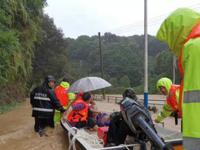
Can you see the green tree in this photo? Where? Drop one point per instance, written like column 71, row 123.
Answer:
column 19, row 30
column 51, row 53
column 114, row 81
column 124, row 81
column 122, row 56
column 164, row 64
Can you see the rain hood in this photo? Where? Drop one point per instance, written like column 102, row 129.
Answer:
column 175, row 29
column 165, row 82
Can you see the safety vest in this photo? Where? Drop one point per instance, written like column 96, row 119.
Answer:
column 172, row 99
column 62, row 95
column 79, row 115
column 44, row 102
column 184, row 24
column 190, row 89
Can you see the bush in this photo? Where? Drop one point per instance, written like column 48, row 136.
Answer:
column 7, row 107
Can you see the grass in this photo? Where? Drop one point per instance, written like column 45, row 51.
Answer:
column 8, row 107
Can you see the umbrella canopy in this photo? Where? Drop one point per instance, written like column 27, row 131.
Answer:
column 89, row 84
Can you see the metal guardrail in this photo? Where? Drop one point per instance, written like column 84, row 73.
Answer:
column 108, row 98
column 116, row 99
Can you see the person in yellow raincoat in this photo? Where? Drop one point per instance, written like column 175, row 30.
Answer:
column 181, row 31
column 165, row 86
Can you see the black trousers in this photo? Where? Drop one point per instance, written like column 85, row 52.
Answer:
column 117, row 132
column 41, row 123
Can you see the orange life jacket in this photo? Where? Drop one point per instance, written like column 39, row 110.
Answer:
column 61, row 94
column 171, row 99
column 79, row 115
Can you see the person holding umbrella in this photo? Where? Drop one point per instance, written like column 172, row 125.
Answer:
column 80, row 114
column 84, row 101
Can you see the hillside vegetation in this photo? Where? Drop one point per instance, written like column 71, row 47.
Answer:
column 31, row 47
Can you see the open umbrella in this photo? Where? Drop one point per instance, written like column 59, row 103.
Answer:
column 88, row 84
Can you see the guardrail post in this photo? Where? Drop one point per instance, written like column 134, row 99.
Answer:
column 163, row 124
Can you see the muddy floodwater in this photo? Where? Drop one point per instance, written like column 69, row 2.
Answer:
column 16, row 129
column 16, row 132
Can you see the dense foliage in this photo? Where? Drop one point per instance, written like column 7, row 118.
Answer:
column 50, row 56
column 31, row 47
column 19, row 30
column 123, row 60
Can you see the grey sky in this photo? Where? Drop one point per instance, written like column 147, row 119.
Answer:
column 122, row 17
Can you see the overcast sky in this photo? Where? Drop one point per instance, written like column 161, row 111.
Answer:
column 122, row 17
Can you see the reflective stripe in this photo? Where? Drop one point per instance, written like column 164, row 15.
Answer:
column 42, row 98
column 42, row 109
column 192, row 97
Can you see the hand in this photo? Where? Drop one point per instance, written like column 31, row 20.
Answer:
column 62, row 110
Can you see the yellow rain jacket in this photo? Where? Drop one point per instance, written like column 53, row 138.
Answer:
column 168, row 108
column 181, row 31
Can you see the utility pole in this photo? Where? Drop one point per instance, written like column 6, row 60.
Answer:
column 145, row 56
column 174, row 69
column 101, row 62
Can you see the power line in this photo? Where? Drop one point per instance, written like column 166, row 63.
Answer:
column 152, row 23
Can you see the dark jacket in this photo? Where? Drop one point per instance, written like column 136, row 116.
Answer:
column 44, row 101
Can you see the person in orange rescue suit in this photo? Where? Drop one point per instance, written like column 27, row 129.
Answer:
column 165, row 86
column 64, row 97
column 80, row 114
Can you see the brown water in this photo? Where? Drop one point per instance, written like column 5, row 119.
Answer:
column 16, row 132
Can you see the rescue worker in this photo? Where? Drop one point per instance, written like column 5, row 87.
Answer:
column 64, row 98
column 43, row 101
column 80, row 115
column 165, row 86
column 181, row 31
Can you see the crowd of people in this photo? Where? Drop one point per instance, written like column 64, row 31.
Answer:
column 50, row 102
column 181, row 31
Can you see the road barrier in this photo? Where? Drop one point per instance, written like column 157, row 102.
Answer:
column 116, row 99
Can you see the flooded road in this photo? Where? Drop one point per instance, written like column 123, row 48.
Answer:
column 16, row 132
